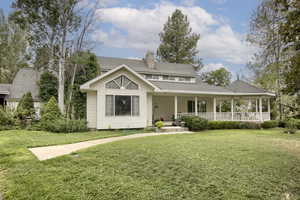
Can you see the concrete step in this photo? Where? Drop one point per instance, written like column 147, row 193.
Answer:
column 174, row 129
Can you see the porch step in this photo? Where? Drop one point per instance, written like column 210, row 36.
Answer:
column 174, row 129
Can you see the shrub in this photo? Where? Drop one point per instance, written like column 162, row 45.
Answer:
column 51, row 111
column 291, row 126
column 187, row 120
column 250, row 125
column 6, row 118
column 195, row 123
column 25, row 108
column 232, row 125
column 65, row 126
column 159, row 124
column 270, row 124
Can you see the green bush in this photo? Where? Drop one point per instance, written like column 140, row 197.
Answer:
column 25, row 108
column 232, row 125
column 159, row 124
column 51, row 111
column 6, row 118
column 270, row 124
column 195, row 123
column 65, row 126
column 291, row 126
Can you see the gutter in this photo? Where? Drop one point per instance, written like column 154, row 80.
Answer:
column 214, row 93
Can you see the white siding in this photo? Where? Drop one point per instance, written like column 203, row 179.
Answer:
column 118, row 122
column 91, row 109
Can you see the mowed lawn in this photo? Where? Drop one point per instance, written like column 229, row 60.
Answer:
column 223, row 164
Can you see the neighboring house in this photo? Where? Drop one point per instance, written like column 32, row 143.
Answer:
column 26, row 80
column 135, row 93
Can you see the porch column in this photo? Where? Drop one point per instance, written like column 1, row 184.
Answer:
column 232, row 108
column 256, row 106
column 196, row 106
column 269, row 109
column 215, row 108
column 260, row 109
column 175, row 107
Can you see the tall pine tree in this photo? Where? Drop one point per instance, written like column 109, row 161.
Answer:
column 178, row 43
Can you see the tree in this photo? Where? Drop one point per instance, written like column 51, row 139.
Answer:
column 25, row 107
column 269, row 63
column 219, row 77
column 51, row 111
column 13, row 49
column 50, row 24
column 290, row 33
column 48, row 86
column 88, row 69
column 178, row 43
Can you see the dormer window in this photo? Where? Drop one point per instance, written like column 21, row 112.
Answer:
column 122, row 82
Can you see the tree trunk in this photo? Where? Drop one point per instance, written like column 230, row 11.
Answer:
column 61, row 84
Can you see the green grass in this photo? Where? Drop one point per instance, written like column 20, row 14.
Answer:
column 223, row 164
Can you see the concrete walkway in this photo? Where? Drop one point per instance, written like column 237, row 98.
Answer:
column 48, row 152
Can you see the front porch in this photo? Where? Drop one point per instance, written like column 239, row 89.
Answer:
column 217, row 108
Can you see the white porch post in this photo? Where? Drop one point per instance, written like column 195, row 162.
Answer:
column 215, row 108
column 175, row 107
column 232, row 109
column 196, row 106
column 256, row 106
column 269, row 109
column 260, row 109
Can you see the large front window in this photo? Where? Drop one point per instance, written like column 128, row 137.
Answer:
column 122, row 105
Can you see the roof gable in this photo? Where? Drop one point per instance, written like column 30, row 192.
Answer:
column 87, row 85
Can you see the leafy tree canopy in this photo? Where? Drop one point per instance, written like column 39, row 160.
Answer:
column 48, row 86
column 219, row 77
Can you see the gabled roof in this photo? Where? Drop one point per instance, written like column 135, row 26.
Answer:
column 242, row 86
column 87, row 85
column 25, row 81
column 108, row 63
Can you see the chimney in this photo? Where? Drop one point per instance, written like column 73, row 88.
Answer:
column 150, row 60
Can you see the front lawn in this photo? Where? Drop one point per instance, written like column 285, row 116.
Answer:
column 223, row 164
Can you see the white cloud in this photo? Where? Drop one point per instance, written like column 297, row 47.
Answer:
column 139, row 29
column 212, row 67
column 189, row 2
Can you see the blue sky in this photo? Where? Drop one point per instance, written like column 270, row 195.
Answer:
column 130, row 27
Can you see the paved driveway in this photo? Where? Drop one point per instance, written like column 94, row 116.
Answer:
column 48, row 152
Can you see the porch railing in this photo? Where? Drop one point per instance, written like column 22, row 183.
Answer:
column 228, row 116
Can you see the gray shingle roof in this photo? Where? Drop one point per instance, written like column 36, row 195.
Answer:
column 5, row 88
column 244, row 87
column 108, row 63
column 25, row 81
column 198, row 86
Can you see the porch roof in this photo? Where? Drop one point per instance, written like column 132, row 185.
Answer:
column 199, row 87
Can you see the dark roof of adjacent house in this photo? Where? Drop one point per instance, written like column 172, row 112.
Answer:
column 244, row 87
column 26, row 80
column 108, row 63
